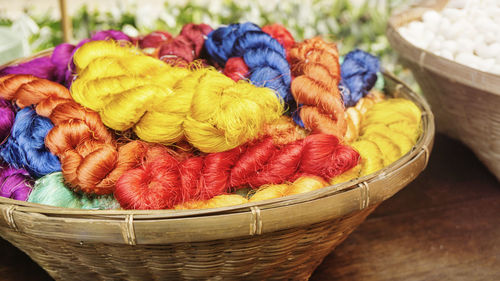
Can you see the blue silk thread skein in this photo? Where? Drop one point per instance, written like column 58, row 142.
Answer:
column 265, row 57
column 359, row 74
column 25, row 147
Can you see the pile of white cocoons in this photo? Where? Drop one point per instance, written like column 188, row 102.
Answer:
column 466, row 31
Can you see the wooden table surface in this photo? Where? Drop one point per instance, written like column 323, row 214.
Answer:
column 443, row 226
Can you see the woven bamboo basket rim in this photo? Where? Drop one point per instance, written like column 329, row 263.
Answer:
column 161, row 226
column 454, row 71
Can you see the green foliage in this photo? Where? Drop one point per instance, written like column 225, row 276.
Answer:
column 5, row 22
column 86, row 21
column 50, row 33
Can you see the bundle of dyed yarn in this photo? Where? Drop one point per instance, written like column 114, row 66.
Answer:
column 205, row 119
column 25, row 147
column 58, row 66
column 16, row 183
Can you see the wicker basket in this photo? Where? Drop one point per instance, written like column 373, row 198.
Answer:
column 283, row 238
column 465, row 101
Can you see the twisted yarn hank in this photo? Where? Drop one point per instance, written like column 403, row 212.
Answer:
column 315, row 66
column 7, row 116
column 187, row 46
column 359, row 74
column 40, row 67
column 355, row 114
column 154, row 39
column 224, row 200
column 281, row 34
column 51, row 190
column 301, row 185
column 400, row 115
column 90, row 159
column 237, row 69
column 58, row 67
column 284, row 130
column 15, row 183
column 63, row 54
column 165, row 104
column 25, row 147
column 265, row 192
column 262, row 54
column 162, row 181
column 389, row 130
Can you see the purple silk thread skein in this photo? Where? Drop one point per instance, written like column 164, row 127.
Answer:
column 7, row 116
column 14, row 183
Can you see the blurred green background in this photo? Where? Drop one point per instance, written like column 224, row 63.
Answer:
column 351, row 24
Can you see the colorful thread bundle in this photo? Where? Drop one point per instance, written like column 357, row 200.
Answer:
column 90, row 160
column 7, row 116
column 281, row 34
column 164, row 104
column 58, row 67
column 51, row 190
column 15, row 183
column 262, row 54
column 63, row 54
column 63, row 68
column 284, row 130
column 187, row 46
column 265, row 192
column 237, row 69
column 315, row 65
column 153, row 40
column 389, row 130
column 25, row 147
column 355, row 114
column 300, row 185
column 243, row 140
column 224, row 200
column 359, row 74
column 162, row 181
column 39, row 67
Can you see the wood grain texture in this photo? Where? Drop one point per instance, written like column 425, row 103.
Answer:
column 443, row 226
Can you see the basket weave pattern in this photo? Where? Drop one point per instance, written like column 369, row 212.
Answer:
column 282, row 238
column 465, row 113
column 287, row 254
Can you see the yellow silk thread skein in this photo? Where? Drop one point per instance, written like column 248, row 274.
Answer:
column 300, row 185
column 224, row 200
column 164, row 103
column 265, row 192
column 354, row 114
column 389, row 130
